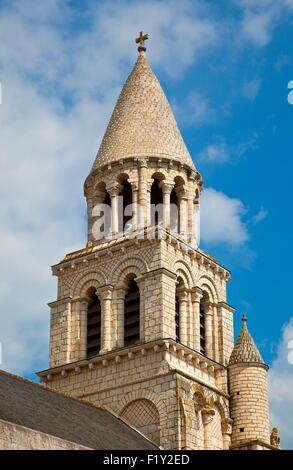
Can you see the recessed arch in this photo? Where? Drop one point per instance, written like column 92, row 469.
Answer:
column 144, row 416
column 87, row 280
column 179, row 181
column 159, row 175
column 207, row 284
column 182, row 268
column 122, row 177
column 148, row 395
column 122, row 270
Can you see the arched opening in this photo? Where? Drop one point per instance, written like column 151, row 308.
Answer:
column 202, row 327
column 157, row 200
column 177, row 318
column 174, row 211
column 126, row 194
column 102, row 214
column 178, row 309
column 93, row 325
column 132, row 314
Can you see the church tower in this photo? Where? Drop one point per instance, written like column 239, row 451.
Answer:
column 141, row 324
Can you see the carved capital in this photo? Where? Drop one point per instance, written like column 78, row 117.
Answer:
column 209, row 308
column 143, row 163
column 196, row 294
column 226, row 425
column 182, row 294
column 181, row 193
column 120, row 293
column 115, row 189
column 207, row 415
column 166, row 187
column 105, row 293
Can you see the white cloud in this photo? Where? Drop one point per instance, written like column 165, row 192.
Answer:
column 251, row 88
column 59, row 87
column 215, row 153
column 195, row 110
column 281, row 386
column 60, row 81
column 260, row 19
column 221, row 219
column 221, row 152
column 260, row 216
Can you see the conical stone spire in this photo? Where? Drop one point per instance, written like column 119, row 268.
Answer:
column 245, row 350
column 142, row 124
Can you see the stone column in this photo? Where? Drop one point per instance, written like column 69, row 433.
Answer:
column 143, row 193
column 182, row 198
column 148, row 207
column 215, row 333
column 207, row 417
column 196, row 223
column 77, row 333
column 166, row 190
column 208, row 318
column 134, row 206
column 183, row 300
column 196, row 296
column 190, row 217
column 119, row 300
column 105, row 296
column 114, row 193
column 227, row 431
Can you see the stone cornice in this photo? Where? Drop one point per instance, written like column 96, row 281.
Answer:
column 166, row 346
column 226, row 306
column 123, row 241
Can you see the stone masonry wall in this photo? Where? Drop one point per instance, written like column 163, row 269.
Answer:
column 15, row 437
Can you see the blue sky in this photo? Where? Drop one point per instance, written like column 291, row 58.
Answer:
column 225, row 67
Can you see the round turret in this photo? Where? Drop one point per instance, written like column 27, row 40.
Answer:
column 248, row 391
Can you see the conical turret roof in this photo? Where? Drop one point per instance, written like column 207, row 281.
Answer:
column 142, row 124
column 245, row 350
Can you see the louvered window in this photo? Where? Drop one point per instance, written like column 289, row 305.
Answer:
column 202, row 328
column 177, row 319
column 94, row 327
column 131, row 315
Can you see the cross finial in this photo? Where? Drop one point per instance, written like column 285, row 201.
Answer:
column 140, row 40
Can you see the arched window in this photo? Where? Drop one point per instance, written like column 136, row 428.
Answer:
column 156, row 202
column 177, row 319
column 174, row 212
column 126, row 194
column 176, row 200
column 93, row 326
column 131, row 315
column 102, row 216
column 180, row 311
column 202, row 321
column 202, row 327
